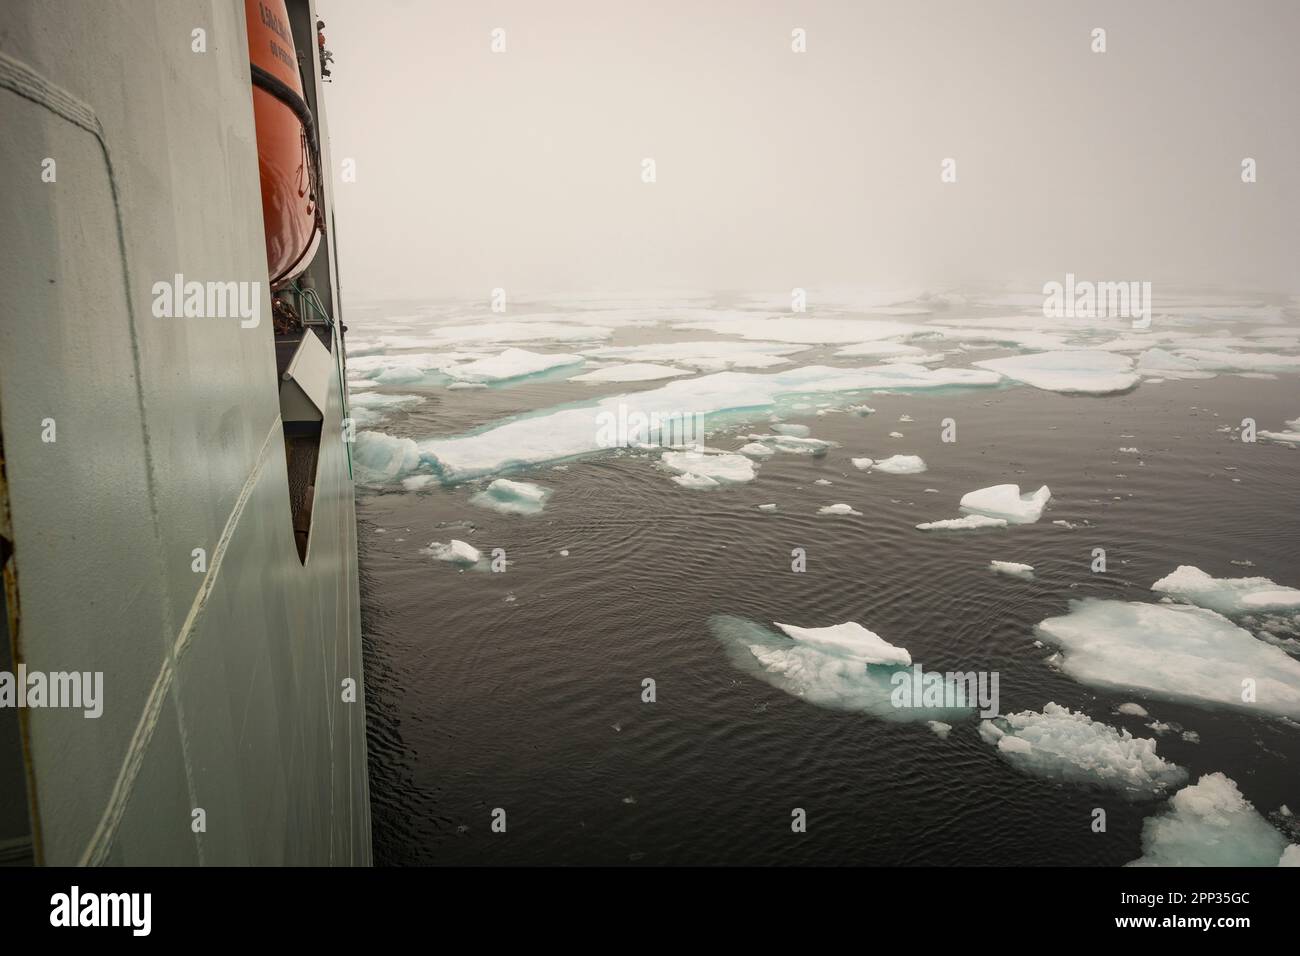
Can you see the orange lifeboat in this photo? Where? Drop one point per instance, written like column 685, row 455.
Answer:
column 286, row 151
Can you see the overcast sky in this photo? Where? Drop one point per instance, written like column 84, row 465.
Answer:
column 523, row 169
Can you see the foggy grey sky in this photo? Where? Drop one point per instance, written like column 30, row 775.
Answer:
column 777, row 169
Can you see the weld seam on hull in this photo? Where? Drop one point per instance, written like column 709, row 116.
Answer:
column 102, row 840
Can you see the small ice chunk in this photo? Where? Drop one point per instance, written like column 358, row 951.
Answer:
column 512, row 497
column 1012, row 568
column 768, row 507
column 839, row 509
column 699, row 482
column 1006, row 501
column 899, row 465
column 862, row 464
column 895, row 434
column 455, row 552
column 1061, row 744
column 823, row 481
column 1227, row 595
column 1210, row 824
column 794, row 444
column 968, row 523
column 756, row 450
column 941, row 730
column 723, row 469
column 1133, row 710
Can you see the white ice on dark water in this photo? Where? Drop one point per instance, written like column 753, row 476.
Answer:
column 718, row 469
column 1012, row 568
column 1210, row 824
column 793, row 444
column 1006, row 501
column 1079, row 371
column 453, row 552
column 1174, row 652
column 1227, row 595
column 941, row 730
column 898, row 465
column 838, row 509
column 830, row 667
column 850, row 640
column 862, row 464
column 1061, row 744
column 968, row 523
column 569, row 432
column 1132, row 710
column 512, row 497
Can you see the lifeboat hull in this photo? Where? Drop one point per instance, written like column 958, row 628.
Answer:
column 284, row 144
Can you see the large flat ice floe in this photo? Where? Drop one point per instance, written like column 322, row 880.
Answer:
column 1210, row 824
column 510, row 364
column 1174, row 652
column 716, row 356
column 1006, row 502
column 1077, row 371
column 845, row 667
column 1227, row 595
column 630, row 372
column 573, row 431
column 1012, row 568
column 1061, row 744
column 695, row 469
column 512, row 497
column 809, row 331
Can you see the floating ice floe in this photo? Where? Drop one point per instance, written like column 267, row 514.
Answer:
column 512, row 497
column 703, row 356
column 968, row 523
column 767, row 507
column 1006, row 502
column 846, row 667
column 505, row 332
column 369, row 407
column 796, row 431
column 1132, row 710
column 1210, row 824
column 862, row 464
column 453, row 552
column 702, row 470
column 756, row 450
column 1174, row 652
column 510, row 364
column 850, row 641
column 571, row 431
column 839, row 509
column 793, row 444
column 632, row 372
column 941, row 730
column 1061, row 744
column 379, row 457
column 898, row 465
column 1290, row 437
column 878, row 350
column 1081, row 371
column 406, row 368
column 1227, row 595
column 804, row 330
column 1013, row 569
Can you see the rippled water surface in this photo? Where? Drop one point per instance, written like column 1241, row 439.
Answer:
column 522, row 690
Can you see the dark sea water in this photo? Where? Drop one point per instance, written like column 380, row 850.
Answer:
column 522, row 690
